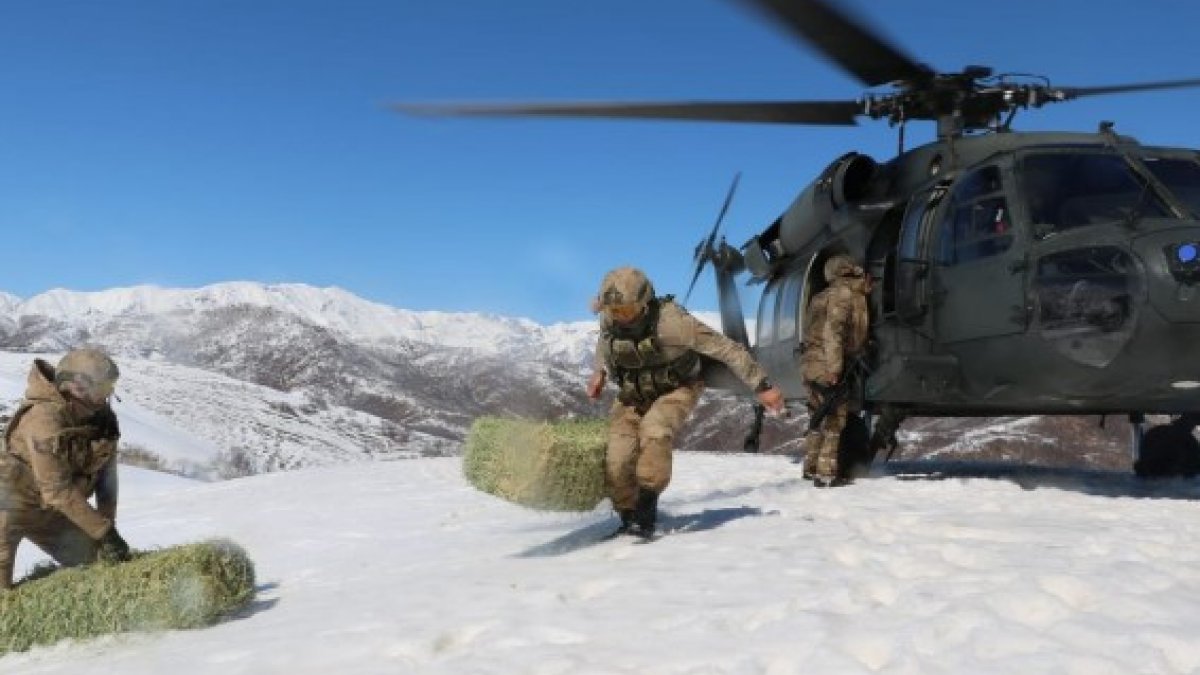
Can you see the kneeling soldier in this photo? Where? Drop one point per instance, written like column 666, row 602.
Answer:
column 60, row 449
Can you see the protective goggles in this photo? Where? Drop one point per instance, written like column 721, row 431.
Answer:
column 626, row 313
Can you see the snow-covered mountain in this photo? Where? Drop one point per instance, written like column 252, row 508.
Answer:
column 415, row 379
column 428, row 374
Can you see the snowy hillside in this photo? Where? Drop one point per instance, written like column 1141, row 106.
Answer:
column 204, row 424
column 427, row 373
column 402, row 568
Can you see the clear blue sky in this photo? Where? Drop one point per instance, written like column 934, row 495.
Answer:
column 183, row 143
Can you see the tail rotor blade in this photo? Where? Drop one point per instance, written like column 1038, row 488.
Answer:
column 712, row 236
column 695, row 276
column 704, row 250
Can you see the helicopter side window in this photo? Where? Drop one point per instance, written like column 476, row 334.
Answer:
column 1181, row 176
column 766, row 314
column 1065, row 190
column 977, row 224
column 789, row 307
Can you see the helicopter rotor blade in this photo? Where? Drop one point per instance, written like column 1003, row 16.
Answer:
column 1068, row 93
column 705, row 248
column 773, row 112
column 846, row 41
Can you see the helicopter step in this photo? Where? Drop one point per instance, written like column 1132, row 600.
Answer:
column 1165, row 450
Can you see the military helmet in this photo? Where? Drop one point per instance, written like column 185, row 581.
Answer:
column 625, row 287
column 91, row 367
column 841, row 266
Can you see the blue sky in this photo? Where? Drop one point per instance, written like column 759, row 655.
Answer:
column 183, row 143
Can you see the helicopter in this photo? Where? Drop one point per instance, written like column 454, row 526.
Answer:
column 1017, row 273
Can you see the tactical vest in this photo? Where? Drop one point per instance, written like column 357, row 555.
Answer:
column 85, row 448
column 640, row 366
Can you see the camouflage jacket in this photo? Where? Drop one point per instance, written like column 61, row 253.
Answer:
column 677, row 334
column 54, row 459
column 835, row 329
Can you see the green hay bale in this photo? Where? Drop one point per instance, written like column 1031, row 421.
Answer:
column 180, row 587
column 556, row 466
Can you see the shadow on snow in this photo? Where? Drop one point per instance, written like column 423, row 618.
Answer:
column 603, row 530
column 1028, row 477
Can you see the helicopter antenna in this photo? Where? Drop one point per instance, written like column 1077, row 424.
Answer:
column 704, row 250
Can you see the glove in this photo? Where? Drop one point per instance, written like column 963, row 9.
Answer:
column 105, row 422
column 771, row 399
column 112, row 548
column 596, row 384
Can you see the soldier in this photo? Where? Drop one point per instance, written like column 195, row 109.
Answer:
column 60, row 449
column 835, row 333
column 651, row 348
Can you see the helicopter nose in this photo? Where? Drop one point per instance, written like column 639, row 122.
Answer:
column 1172, row 259
column 1183, row 261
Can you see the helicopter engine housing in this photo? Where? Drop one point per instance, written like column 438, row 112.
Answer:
column 813, row 213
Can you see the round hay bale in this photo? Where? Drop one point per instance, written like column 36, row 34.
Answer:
column 179, row 587
column 555, row 466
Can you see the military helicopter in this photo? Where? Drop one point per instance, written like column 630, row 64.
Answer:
column 1016, row 273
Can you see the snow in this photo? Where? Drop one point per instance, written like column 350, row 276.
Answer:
column 401, row 567
column 332, row 308
column 189, row 418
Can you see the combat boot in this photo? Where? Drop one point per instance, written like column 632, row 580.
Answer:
column 810, row 465
column 627, row 523
column 830, row 481
column 645, row 514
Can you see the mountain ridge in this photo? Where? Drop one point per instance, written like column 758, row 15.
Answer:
column 426, row 375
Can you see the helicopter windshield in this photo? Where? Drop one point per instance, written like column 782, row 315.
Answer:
column 1065, row 190
column 1181, row 176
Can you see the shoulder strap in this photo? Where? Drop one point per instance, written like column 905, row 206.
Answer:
column 25, row 407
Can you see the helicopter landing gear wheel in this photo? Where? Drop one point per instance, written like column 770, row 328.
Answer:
column 854, row 454
column 1169, row 450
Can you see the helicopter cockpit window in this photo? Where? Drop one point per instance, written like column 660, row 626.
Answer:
column 1181, row 176
column 1064, row 190
column 978, row 223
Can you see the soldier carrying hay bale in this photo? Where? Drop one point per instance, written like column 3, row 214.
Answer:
column 60, row 449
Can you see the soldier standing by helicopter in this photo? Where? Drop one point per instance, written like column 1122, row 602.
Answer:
column 835, row 334
column 651, row 348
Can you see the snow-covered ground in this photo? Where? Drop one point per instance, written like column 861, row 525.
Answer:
column 401, row 567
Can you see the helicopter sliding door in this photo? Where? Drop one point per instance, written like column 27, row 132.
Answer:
column 912, row 267
column 977, row 287
column 779, row 319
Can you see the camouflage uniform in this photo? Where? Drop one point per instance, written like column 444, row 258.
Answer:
column 655, row 362
column 55, row 457
column 835, row 331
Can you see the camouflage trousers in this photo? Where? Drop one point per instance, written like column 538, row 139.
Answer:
column 50, row 530
column 640, row 443
column 821, row 444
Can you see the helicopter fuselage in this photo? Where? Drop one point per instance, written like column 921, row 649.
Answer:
column 1015, row 273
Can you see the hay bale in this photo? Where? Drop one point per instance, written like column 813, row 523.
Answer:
column 557, row 466
column 180, row 587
